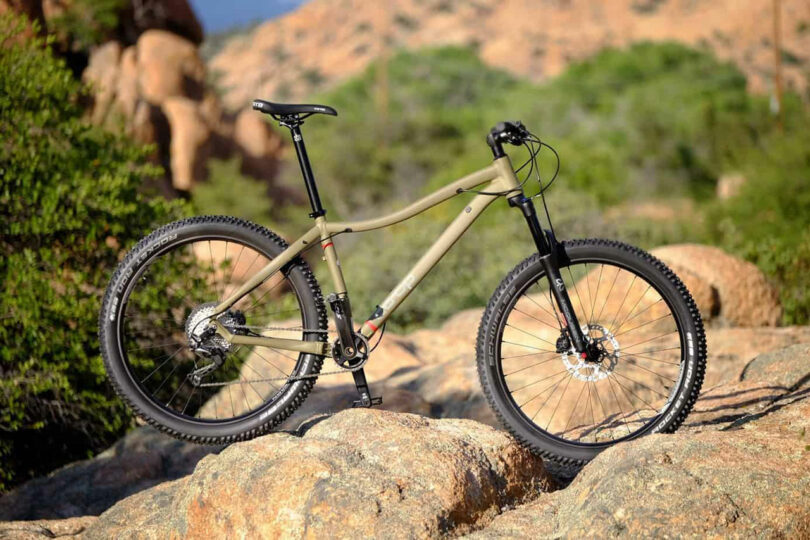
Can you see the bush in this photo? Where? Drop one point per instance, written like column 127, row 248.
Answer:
column 629, row 124
column 228, row 192
column 84, row 23
column 768, row 223
column 72, row 197
column 651, row 120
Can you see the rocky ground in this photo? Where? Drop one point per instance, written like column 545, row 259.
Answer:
column 740, row 465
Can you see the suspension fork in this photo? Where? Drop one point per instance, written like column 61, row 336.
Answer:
column 550, row 262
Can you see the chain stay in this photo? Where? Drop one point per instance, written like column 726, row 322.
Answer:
column 290, row 378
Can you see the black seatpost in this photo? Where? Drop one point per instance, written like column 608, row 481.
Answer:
column 306, row 170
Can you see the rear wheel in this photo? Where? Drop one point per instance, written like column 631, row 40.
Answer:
column 643, row 377
column 161, row 354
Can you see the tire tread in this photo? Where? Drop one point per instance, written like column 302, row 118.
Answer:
column 489, row 319
column 305, row 388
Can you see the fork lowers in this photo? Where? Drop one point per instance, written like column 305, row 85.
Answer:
column 548, row 258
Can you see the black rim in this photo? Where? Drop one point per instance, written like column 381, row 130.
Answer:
column 255, row 403
column 618, row 424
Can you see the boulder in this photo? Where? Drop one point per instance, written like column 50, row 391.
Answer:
column 743, row 475
column 168, row 66
column 747, row 409
column 729, row 185
column 149, row 125
column 175, row 16
column 126, row 87
column 744, row 295
column 360, row 473
column 786, row 367
column 190, row 137
column 719, row 484
column 731, row 349
column 452, row 389
column 142, row 459
column 102, row 74
column 54, row 528
column 261, row 146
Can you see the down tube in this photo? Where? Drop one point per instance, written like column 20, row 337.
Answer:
column 426, row 263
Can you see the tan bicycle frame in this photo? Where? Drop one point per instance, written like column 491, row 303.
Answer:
column 502, row 181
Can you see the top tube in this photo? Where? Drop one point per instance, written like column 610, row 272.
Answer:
column 447, row 192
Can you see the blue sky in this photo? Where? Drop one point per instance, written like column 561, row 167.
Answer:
column 218, row 15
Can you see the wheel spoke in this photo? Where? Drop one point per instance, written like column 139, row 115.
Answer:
column 640, row 384
column 648, row 340
column 527, row 346
column 574, row 409
column 635, row 355
column 543, row 391
column 610, row 290
column 538, row 381
column 545, row 401
column 651, row 371
column 536, row 319
column 643, row 324
column 562, row 396
column 529, row 367
column 530, row 335
column 525, row 355
column 169, row 290
column 618, row 311
column 538, row 305
column 619, row 327
column 596, row 295
column 168, row 359
column 549, row 397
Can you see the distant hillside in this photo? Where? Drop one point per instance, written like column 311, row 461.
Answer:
column 325, row 41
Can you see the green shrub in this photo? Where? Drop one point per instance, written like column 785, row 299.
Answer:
column 228, row 192
column 72, row 197
column 84, row 23
column 768, row 223
column 651, row 121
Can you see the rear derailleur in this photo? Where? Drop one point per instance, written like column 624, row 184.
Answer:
column 206, row 343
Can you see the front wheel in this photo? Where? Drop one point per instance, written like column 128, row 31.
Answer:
column 633, row 310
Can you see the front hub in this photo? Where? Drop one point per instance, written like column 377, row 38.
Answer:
column 599, row 359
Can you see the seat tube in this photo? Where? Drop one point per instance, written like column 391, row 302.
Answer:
column 331, row 257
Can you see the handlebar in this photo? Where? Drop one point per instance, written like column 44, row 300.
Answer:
column 513, row 133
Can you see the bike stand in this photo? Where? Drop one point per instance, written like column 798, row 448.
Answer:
column 365, row 394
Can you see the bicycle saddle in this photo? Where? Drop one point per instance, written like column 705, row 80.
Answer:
column 285, row 109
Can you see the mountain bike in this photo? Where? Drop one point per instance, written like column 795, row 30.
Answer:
column 214, row 329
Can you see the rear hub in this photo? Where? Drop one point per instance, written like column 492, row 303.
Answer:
column 204, row 340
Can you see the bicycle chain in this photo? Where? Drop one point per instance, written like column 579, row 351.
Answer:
column 290, row 378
